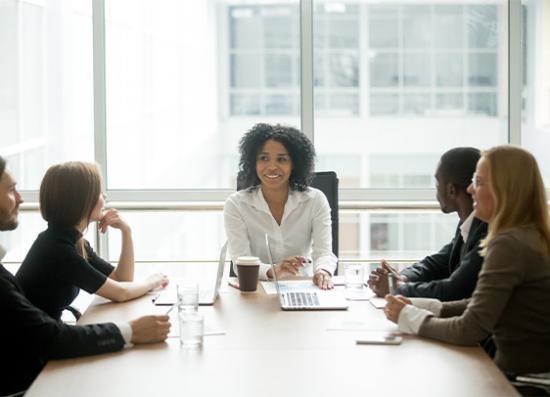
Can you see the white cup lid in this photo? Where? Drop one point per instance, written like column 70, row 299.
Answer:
column 248, row 260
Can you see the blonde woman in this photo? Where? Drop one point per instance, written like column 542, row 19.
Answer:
column 61, row 261
column 511, row 297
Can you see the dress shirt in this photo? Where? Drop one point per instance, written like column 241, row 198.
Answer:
column 305, row 228
column 412, row 316
column 126, row 332
column 466, row 226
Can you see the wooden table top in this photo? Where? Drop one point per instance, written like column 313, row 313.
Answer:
column 265, row 351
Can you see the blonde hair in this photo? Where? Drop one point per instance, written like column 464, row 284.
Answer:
column 69, row 193
column 518, row 191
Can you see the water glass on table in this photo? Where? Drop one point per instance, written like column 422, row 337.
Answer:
column 191, row 329
column 188, row 297
column 354, row 277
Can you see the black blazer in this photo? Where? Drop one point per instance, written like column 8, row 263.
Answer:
column 451, row 274
column 29, row 338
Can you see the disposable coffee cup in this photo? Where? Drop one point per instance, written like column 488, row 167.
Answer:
column 248, row 268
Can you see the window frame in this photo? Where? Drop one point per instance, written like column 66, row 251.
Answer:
column 364, row 198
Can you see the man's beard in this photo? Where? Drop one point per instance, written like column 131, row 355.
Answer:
column 9, row 224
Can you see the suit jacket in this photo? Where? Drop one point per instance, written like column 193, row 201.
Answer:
column 29, row 337
column 451, row 274
column 510, row 301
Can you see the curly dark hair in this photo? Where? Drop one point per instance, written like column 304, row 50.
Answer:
column 300, row 149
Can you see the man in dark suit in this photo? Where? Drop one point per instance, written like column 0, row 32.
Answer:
column 29, row 337
column 450, row 274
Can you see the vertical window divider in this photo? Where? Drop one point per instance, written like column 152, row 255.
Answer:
column 306, row 68
column 514, row 72
column 100, row 111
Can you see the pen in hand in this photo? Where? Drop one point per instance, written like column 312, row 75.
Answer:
column 170, row 309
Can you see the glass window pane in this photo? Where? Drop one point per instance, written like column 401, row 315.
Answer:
column 384, row 70
column 483, row 70
column 46, row 86
column 535, row 132
column 449, row 101
column 245, row 27
column 417, row 26
column 383, row 32
column 483, row 29
column 427, row 71
column 182, row 243
column 348, row 33
column 343, row 70
column 416, row 104
column 482, row 103
column 245, row 72
column 279, row 28
column 280, row 105
column 383, row 104
column 344, row 105
column 449, row 69
column 245, row 104
column 448, row 26
column 279, row 70
column 417, row 70
column 174, row 101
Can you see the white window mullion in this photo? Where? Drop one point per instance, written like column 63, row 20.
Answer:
column 306, row 64
column 514, row 71
column 100, row 112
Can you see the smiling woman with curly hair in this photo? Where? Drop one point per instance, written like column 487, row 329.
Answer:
column 274, row 197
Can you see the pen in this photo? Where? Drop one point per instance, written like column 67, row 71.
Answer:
column 170, row 309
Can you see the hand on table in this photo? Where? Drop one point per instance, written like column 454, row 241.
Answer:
column 289, row 267
column 157, row 280
column 394, row 306
column 150, row 329
column 323, row 280
column 378, row 279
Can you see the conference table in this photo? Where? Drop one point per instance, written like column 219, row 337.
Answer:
column 259, row 350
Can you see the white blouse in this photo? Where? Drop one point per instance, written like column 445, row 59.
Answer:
column 305, row 228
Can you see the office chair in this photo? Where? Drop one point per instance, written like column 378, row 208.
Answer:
column 327, row 182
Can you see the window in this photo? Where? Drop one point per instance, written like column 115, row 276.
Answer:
column 46, row 89
column 177, row 107
column 264, row 56
column 420, row 79
column 535, row 133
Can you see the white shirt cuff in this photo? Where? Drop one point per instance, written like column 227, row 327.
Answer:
column 126, row 332
column 411, row 318
column 432, row 305
column 327, row 268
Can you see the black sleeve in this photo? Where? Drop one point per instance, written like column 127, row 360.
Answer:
column 432, row 267
column 98, row 262
column 31, row 330
column 77, row 271
column 461, row 283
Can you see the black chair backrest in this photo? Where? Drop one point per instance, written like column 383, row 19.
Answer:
column 327, row 182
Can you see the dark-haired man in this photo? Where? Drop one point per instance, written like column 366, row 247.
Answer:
column 29, row 337
column 450, row 274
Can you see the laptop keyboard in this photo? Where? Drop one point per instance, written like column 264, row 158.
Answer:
column 300, row 299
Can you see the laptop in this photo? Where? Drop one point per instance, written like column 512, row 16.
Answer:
column 207, row 296
column 298, row 299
